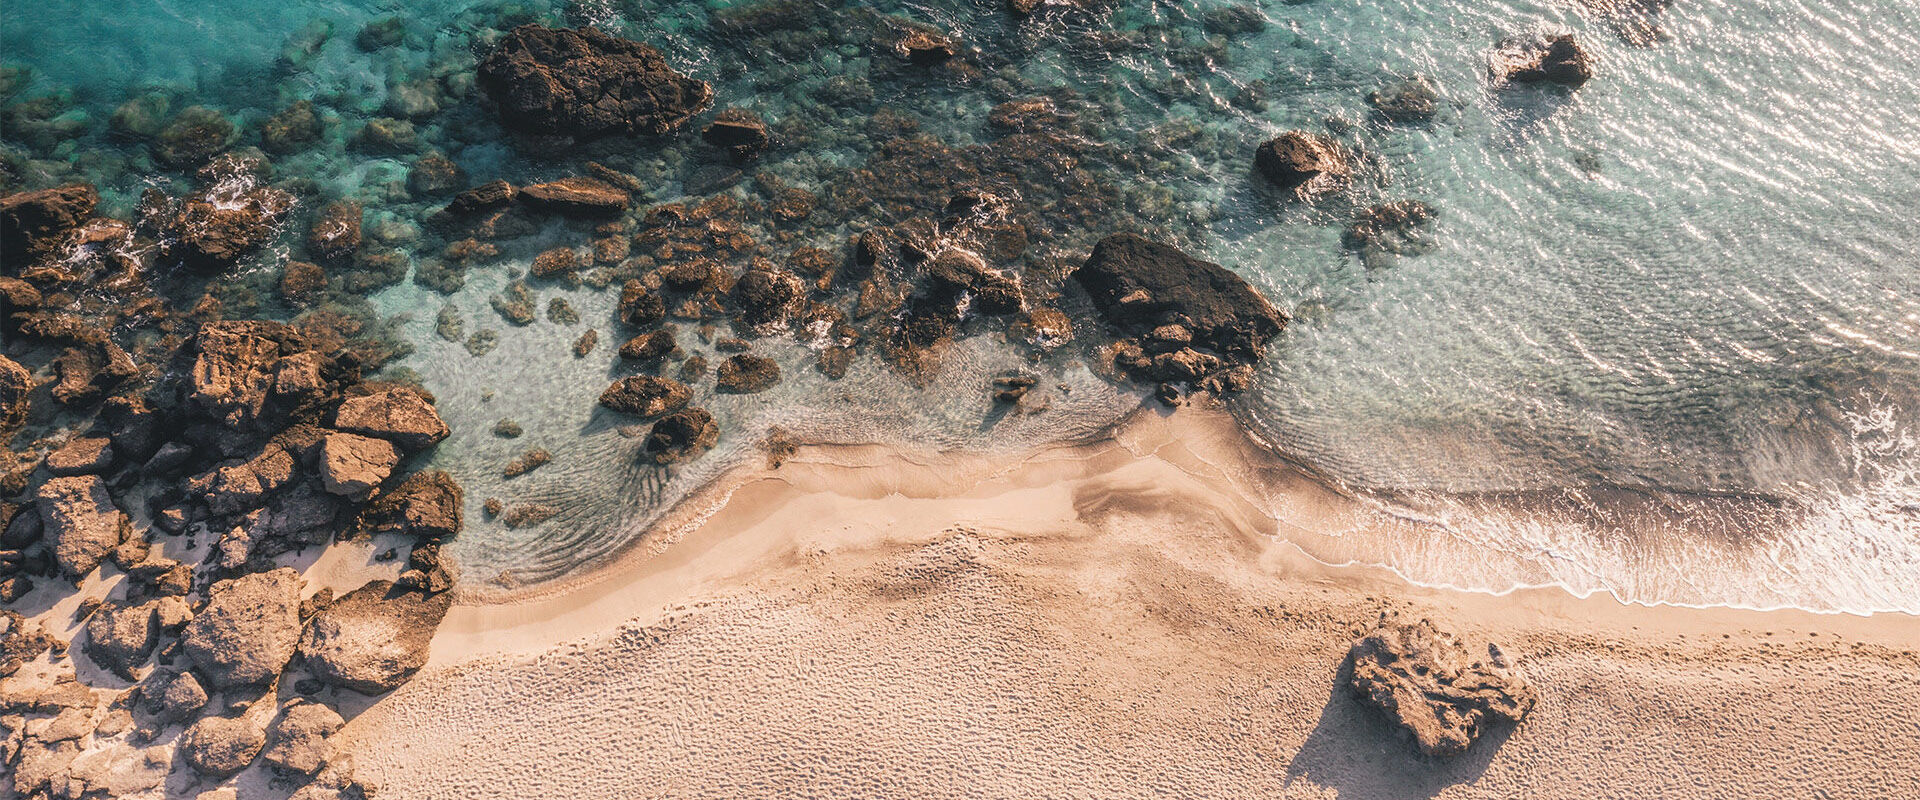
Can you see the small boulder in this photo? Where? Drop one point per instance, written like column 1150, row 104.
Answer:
column 16, row 384
column 248, row 629
column 576, row 197
column 373, row 639
column 233, row 369
column 120, row 636
column 399, row 416
column 767, row 297
column 352, row 465
column 646, row 395
column 1302, row 161
column 86, row 455
column 1553, row 59
column 172, row 696
column 584, row 84
column 335, row 233
column 1139, row 285
column 640, row 306
column 35, row 224
column 79, row 518
column 681, row 436
column 1427, row 682
column 650, row 346
column 298, row 740
column 221, row 746
column 427, row 505
column 741, row 133
column 1411, row 100
column 746, row 374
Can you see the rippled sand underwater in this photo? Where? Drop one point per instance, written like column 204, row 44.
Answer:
column 1662, row 340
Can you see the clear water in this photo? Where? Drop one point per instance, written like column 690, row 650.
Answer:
column 1666, row 346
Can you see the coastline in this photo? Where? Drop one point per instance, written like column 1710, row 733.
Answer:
column 1102, row 561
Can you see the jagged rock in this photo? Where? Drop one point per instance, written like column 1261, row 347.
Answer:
column 767, row 297
column 650, row 346
column 221, row 746
column 21, row 640
column 559, row 262
column 245, row 485
column 1426, row 681
column 248, row 629
column 925, row 47
column 231, row 218
column 739, row 132
column 79, row 518
column 172, row 696
column 576, row 196
column 640, row 306
column 1552, row 59
column 1302, row 161
column 16, row 384
column 1139, row 285
column 399, row 416
column 646, row 395
column 955, row 272
column 492, row 194
column 373, row 639
column 351, row 465
column 35, row 224
column 335, row 233
column 119, row 636
column 302, row 281
column 291, row 130
column 426, row 505
column 746, row 374
column 425, row 572
column 298, row 740
column 681, row 436
column 84, row 374
column 583, row 84
column 86, row 455
column 234, row 369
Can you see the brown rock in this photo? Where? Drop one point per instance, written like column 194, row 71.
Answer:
column 739, row 132
column 646, row 395
column 526, row 462
column 558, row 262
column 583, row 84
column 650, row 346
column 1554, row 59
column 746, row 374
column 373, row 639
column 335, row 233
column 1297, row 159
column 86, row 455
column 233, row 369
column 681, row 436
column 248, row 629
column 1426, row 681
column 298, row 740
column 35, row 224
column 399, row 416
column 80, row 520
column 427, row 505
column 353, row 465
column 576, row 196
column 221, row 746
column 16, row 384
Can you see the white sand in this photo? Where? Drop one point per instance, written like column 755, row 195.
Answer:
column 1113, row 620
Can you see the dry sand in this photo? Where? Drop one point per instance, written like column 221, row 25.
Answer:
column 1109, row 620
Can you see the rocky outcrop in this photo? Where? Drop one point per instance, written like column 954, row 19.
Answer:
column 1141, row 286
column 298, row 740
column 221, row 746
column 79, row 518
column 373, row 639
column 1552, row 59
column 399, row 416
column 248, row 630
column 583, row 84
column 35, row 224
column 646, row 396
column 681, row 436
column 351, row 465
column 427, row 505
column 746, row 374
column 233, row 369
column 1427, row 682
column 1304, row 162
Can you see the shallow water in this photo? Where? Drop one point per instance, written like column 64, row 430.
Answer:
column 1665, row 344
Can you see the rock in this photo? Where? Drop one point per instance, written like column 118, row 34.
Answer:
column 120, row 636
column 1411, row 100
column 297, row 740
column 954, row 272
column 583, row 84
column 745, row 374
column 650, row 346
column 245, row 485
column 1139, row 284
column 925, row 47
column 335, row 234
column 172, row 696
column 221, row 746
column 80, row 520
column 1552, row 59
column 1302, row 161
column 352, row 465
column 292, row 130
column 516, row 303
column 248, row 629
column 435, row 174
column 233, row 369
column 559, row 262
column 646, row 395
column 576, row 196
column 681, row 436
column 387, row 136
column 767, row 297
column 507, row 429
column 381, row 33
column 197, row 134
column 493, row 194
column 399, row 416
column 83, row 456
column 425, row 572
column 1009, row 389
column 586, row 343
column 302, row 281
column 373, row 639
column 16, row 384
column 739, row 132
column 1425, row 681
column 36, row 224
column 1398, row 228
column 230, row 219
column 427, row 505
column 640, row 306
column 526, row 462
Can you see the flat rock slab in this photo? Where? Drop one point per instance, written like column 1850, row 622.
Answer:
column 373, row 639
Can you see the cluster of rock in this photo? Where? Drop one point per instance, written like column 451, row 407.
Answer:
column 1427, row 682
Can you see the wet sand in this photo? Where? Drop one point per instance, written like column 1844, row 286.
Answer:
column 1113, row 619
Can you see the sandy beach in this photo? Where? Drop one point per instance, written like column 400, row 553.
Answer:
column 1107, row 620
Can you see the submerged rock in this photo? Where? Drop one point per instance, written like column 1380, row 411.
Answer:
column 646, row 395
column 1302, row 161
column 576, row 196
column 1426, row 681
column 1553, row 59
column 1140, row 285
column 197, row 134
column 335, row 233
column 746, row 374
column 681, row 436
column 292, row 130
column 650, row 346
column 1411, row 100
column 373, row 639
column 35, row 224
column 583, row 84
column 213, row 229
column 248, row 629
column 741, row 133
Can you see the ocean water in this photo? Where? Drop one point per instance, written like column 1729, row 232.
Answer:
column 1664, row 343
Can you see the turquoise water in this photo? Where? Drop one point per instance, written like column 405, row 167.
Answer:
column 1665, row 343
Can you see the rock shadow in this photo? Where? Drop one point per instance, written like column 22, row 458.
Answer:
column 1358, row 753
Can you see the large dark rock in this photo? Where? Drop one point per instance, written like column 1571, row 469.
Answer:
column 641, row 306
column 1427, row 682
column 81, row 522
column 34, row 224
column 399, row 416
column 746, row 374
column 373, row 639
column 1140, row 285
column 1302, row 161
column 955, row 272
column 739, row 132
column 427, row 505
column 248, row 630
column 583, row 84
column 646, row 395
column 767, row 297
column 681, row 436
column 1553, row 59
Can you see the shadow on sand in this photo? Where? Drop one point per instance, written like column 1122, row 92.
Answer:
column 1359, row 754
